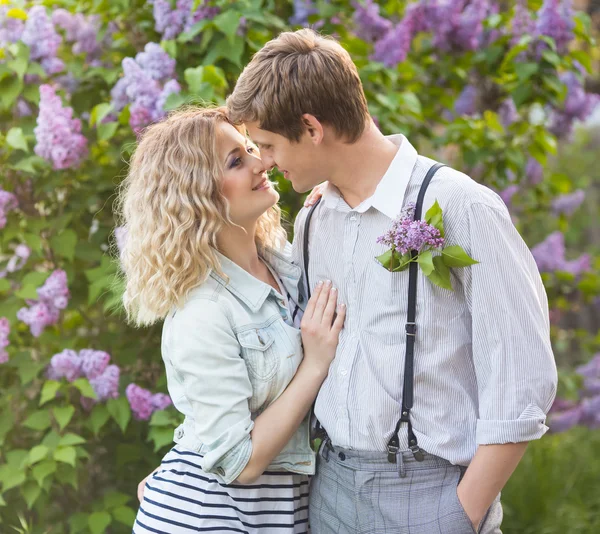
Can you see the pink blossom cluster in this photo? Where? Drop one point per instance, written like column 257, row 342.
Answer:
column 11, row 28
column 407, row 234
column 58, row 134
column 4, row 332
column 88, row 363
column 53, row 297
column 8, row 202
column 40, row 35
column 80, row 30
column 144, row 403
column 147, row 82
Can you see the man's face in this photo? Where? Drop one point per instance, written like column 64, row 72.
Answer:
column 299, row 162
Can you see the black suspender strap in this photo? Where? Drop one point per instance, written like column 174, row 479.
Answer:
column 305, row 246
column 411, row 332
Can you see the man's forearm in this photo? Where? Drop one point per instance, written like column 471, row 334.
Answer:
column 487, row 474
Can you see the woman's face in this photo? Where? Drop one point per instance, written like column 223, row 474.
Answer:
column 245, row 182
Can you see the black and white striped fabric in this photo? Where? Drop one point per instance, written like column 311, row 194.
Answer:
column 484, row 368
column 180, row 498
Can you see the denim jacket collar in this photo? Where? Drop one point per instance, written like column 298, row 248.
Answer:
column 252, row 291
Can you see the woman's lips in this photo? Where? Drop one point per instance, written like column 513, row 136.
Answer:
column 264, row 184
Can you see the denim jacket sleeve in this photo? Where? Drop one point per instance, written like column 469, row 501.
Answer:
column 204, row 352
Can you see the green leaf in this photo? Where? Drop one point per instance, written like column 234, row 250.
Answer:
column 34, row 242
column 37, row 454
column 228, row 22
column 64, row 244
column 16, row 139
column 106, row 130
column 39, row 420
column 435, row 218
column 161, row 418
column 78, row 522
column 125, row 515
column 42, row 470
column 584, row 58
column 215, row 76
column 70, row 439
column 193, row 77
column 161, row 436
column 63, row 415
column 441, row 275
column 386, row 259
column 10, row 88
column 425, row 260
column 30, row 491
column 49, row 390
column 98, row 522
column 114, row 499
column 98, row 418
column 455, row 256
column 83, row 385
column 225, row 49
column 66, row 455
column 193, row 31
column 99, row 113
column 11, row 476
column 120, row 411
column 403, row 262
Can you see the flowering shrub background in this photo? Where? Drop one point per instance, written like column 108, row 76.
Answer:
column 495, row 90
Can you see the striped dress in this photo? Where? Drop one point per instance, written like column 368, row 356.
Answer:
column 181, row 498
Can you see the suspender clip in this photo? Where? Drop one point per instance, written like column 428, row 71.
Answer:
column 411, row 329
column 392, row 452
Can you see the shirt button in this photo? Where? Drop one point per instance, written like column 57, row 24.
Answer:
column 179, row 433
column 343, row 372
column 353, row 217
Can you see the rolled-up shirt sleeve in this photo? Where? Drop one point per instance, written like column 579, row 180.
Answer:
column 205, row 354
column 512, row 355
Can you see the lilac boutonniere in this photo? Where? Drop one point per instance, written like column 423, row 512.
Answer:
column 426, row 238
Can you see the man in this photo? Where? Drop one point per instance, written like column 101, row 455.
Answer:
column 484, row 375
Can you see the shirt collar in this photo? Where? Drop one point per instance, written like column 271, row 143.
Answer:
column 389, row 194
column 249, row 289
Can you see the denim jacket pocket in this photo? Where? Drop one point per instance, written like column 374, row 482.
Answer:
column 259, row 354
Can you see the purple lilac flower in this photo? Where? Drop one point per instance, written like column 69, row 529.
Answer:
column 4, row 332
column 203, row 12
column 43, row 40
column 555, row 20
column 58, row 134
column 508, row 112
column 469, row 30
column 11, row 29
column 590, row 369
column 23, row 109
column 140, row 401
column 567, row 204
column 407, row 234
column 507, row 194
column 370, row 25
column 106, row 385
column 17, row 260
column 171, row 21
column 534, row 171
column 466, row 103
column 66, row 364
column 80, row 30
column 54, row 296
column 550, row 256
column 522, row 22
column 8, row 202
column 562, row 421
column 160, row 401
column 93, row 362
column 155, row 62
column 171, row 87
column 302, row 10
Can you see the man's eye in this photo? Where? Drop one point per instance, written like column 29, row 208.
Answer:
column 250, row 150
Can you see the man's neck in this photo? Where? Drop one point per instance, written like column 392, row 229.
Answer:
column 361, row 166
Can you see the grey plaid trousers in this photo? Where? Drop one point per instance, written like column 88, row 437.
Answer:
column 362, row 493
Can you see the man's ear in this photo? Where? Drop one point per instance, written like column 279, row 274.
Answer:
column 313, row 127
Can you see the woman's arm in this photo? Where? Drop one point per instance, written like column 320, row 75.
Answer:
column 277, row 424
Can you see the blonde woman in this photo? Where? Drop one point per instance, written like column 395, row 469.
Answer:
column 206, row 253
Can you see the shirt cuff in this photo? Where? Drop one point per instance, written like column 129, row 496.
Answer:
column 530, row 425
column 229, row 467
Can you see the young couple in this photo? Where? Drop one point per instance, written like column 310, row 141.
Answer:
column 426, row 401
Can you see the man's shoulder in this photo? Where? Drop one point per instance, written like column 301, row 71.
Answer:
column 457, row 190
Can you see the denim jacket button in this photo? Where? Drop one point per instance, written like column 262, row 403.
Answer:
column 179, row 433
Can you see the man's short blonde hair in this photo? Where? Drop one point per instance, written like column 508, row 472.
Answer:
column 296, row 73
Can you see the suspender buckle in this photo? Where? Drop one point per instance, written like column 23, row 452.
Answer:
column 392, row 452
column 417, row 453
column 411, row 329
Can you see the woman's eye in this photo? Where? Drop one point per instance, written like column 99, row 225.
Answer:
column 236, row 162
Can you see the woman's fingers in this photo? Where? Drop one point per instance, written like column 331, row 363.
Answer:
column 339, row 320
column 310, row 307
column 330, row 307
column 322, row 302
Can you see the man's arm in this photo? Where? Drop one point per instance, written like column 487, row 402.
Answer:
column 487, row 474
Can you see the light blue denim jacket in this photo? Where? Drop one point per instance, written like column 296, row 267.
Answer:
column 229, row 354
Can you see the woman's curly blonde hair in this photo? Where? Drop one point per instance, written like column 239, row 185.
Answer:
column 171, row 207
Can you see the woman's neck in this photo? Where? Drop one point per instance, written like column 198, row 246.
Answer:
column 239, row 245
